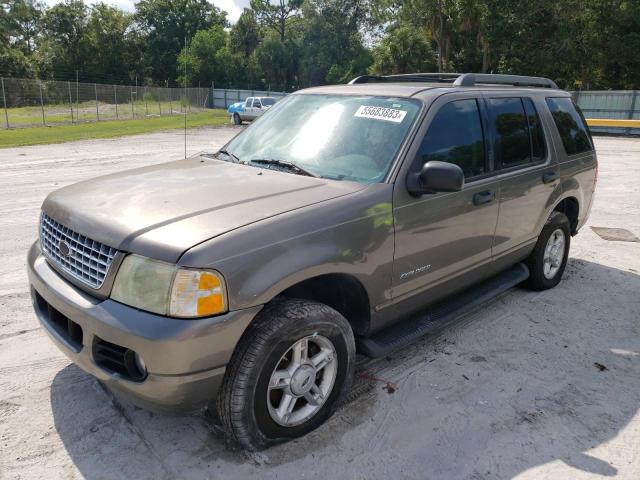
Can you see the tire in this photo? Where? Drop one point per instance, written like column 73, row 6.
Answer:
column 236, row 119
column 546, row 268
column 249, row 400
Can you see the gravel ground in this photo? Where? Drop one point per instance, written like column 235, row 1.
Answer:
column 512, row 390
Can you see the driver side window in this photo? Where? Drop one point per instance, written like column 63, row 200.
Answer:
column 257, row 104
column 455, row 136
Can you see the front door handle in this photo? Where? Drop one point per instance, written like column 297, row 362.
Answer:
column 483, row 197
column 549, row 177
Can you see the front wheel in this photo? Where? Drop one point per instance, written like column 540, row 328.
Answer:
column 290, row 371
column 549, row 257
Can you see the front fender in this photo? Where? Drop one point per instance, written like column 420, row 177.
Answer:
column 352, row 234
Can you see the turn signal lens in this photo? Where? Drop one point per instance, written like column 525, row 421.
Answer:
column 197, row 294
column 165, row 289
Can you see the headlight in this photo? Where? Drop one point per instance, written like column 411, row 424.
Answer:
column 165, row 289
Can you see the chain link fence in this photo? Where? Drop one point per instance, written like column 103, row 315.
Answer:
column 28, row 103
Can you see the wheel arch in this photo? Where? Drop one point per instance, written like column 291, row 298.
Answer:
column 341, row 291
column 570, row 206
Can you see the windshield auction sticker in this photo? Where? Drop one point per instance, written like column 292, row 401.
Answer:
column 380, row 113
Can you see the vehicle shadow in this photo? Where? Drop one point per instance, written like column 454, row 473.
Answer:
column 532, row 379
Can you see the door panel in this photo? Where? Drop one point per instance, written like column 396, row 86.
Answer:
column 529, row 180
column 257, row 108
column 523, row 198
column 248, row 109
column 446, row 235
column 442, row 236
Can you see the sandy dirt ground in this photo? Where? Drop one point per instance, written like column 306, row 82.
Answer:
column 510, row 391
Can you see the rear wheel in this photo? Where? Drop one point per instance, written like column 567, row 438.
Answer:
column 236, row 119
column 291, row 370
column 549, row 257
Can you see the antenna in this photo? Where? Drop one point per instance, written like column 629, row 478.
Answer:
column 185, row 95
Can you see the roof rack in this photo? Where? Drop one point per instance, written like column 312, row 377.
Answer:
column 407, row 77
column 460, row 79
column 470, row 79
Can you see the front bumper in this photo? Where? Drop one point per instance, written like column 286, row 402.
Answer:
column 185, row 359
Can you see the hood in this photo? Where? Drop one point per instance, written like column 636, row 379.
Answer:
column 163, row 210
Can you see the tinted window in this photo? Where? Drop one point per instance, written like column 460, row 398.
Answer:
column 571, row 125
column 455, row 136
column 268, row 101
column 511, row 132
column 538, row 146
column 256, row 103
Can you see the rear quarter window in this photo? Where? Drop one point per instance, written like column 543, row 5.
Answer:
column 571, row 125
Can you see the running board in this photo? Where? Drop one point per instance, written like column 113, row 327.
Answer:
column 405, row 332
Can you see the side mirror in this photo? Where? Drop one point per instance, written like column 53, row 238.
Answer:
column 436, row 177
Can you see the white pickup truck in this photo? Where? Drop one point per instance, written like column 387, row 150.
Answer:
column 250, row 109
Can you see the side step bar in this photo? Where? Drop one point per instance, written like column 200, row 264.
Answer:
column 407, row 331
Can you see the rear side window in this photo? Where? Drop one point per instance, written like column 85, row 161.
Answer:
column 455, row 136
column 511, row 132
column 571, row 125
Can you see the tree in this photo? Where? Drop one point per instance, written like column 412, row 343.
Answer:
column 22, row 20
column 64, row 48
column 111, row 26
column 333, row 50
column 14, row 63
column 277, row 16
column 245, row 34
column 404, row 50
column 199, row 59
column 275, row 60
column 166, row 24
column 439, row 19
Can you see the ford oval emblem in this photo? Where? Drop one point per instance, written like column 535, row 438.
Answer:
column 65, row 249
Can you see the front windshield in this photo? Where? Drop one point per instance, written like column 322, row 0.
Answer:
column 332, row 136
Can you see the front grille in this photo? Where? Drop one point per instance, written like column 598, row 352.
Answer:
column 75, row 254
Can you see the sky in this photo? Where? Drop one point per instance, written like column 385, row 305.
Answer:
column 232, row 7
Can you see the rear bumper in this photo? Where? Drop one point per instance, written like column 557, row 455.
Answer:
column 185, row 359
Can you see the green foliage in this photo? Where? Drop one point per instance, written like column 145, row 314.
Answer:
column 404, row 50
column 245, row 34
column 278, row 16
column 168, row 24
column 333, row 43
column 290, row 44
column 578, row 43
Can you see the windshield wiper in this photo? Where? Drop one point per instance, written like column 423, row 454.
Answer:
column 285, row 165
column 230, row 155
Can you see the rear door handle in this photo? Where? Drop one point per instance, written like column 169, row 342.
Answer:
column 549, row 177
column 483, row 197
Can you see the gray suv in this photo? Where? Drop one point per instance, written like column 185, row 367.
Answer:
column 350, row 218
